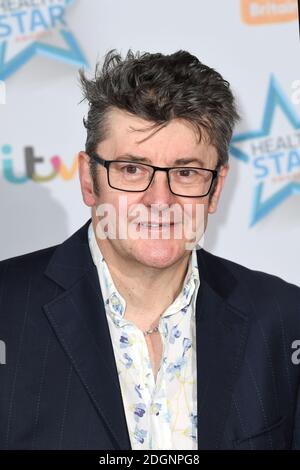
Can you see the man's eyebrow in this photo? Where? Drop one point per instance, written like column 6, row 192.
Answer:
column 134, row 158
column 178, row 161
column 184, row 161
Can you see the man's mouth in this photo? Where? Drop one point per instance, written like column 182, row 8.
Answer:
column 153, row 225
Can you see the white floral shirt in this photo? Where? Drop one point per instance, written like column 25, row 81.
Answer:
column 160, row 414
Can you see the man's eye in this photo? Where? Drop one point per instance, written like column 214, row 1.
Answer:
column 132, row 169
column 187, row 173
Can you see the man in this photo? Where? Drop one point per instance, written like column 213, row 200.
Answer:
column 144, row 340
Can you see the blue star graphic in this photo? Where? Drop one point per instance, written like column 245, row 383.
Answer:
column 275, row 98
column 71, row 55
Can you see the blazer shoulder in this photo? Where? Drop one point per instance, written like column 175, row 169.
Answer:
column 34, row 262
column 257, row 281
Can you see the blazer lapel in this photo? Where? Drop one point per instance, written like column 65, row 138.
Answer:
column 221, row 334
column 79, row 320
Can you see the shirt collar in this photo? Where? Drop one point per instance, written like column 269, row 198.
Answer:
column 116, row 304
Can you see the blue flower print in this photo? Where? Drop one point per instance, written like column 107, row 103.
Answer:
column 186, row 290
column 165, row 329
column 116, row 304
column 193, row 419
column 140, row 435
column 175, row 333
column 139, row 411
column 155, row 408
column 124, row 340
column 167, row 416
column 176, row 367
column 187, row 343
column 138, row 390
column 128, row 359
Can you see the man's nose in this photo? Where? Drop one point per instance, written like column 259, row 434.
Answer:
column 158, row 191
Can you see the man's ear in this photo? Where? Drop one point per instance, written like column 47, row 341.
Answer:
column 213, row 204
column 85, row 178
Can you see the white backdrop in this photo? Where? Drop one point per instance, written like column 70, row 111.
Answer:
column 258, row 55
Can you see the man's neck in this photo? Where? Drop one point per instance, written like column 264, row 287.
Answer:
column 148, row 291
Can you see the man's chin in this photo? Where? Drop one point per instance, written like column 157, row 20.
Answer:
column 158, row 253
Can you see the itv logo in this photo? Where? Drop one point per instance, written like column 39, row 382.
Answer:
column 32, row 163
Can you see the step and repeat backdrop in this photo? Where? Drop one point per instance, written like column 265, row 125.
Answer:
column 255, row 46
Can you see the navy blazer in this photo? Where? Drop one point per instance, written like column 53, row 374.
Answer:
column 59, row 388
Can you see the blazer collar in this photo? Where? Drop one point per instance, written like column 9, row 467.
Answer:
column 221, row 334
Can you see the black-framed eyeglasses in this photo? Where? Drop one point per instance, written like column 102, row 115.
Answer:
column 185, row 181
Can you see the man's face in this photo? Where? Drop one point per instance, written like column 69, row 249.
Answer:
column 151, row 246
